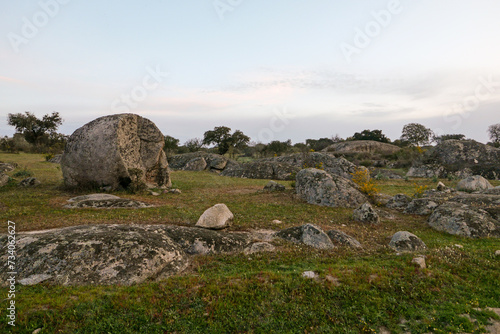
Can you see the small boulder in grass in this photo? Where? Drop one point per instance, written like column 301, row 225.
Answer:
column 404, row 241
column 274, row 186
column 419, row 261
column 216, row 218
column 366, row 214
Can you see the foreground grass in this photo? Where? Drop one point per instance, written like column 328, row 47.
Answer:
column 356, row 292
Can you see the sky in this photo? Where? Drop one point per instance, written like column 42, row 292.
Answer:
column 276, row 70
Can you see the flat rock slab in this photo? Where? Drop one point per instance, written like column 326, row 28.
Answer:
column 96, row 254
column 108, row 203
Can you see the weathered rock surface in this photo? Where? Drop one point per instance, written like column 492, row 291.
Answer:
column 4, row 179
column 96, row 254
column 114, row 151
column 309, row 234
column 195, row 164
column 214, row 162
column 422, row 206
column 362, row 146
column 274, row 186
column 56, row 159
column 94, row 197
column 30, row 182
column 259, row 247
column 399, row 201
column 462, row 158
column 465, row 220
column 366, row 214
column 318, row 187
column 217, row 217
column 384, row 174
column 474, row 183
column 195, row 240
column 426, row 171
column 340, row 238
column 261, row 170
column 404, row 241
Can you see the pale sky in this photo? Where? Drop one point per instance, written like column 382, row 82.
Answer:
column 277, row 70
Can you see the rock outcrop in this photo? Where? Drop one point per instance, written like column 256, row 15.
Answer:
column 362, row 146
column 318, row 187
column 466, row 220
column 114, row 151
column 262, row 170
column 198, row 161
column 274, row 186
column 309, row 234
column 340, row 238
column 102, row 201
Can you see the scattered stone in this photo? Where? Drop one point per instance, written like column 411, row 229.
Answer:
column 308, row 234
column 4, row 179
column 276, row 221
column 217, row 217
column 318, row 187
column 458, row 246
column 117, row 151
column 465, row 220
column 497, row 252
column 419, row 261
column 333, row 280
column 404, row 241
column 56, row 159
column 274, row 186
column 29, row 182
column 421, row 206
column 399, row 201
column 474, row 183
column 175, row 191
column 339, row 237
column 310, row 274
column 259, row 247
column 366, row 214
column 441, row 186
column 5, row 167
column 36, row 331
column 154, row 193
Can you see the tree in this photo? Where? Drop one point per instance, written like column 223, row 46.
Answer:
column 193, row 145
column 319, row 144
column 222, row 137
column 171, row 145
column 375, row 135
column 36, row 131
column 277, row 147
column 417, row 134
column 494, row 132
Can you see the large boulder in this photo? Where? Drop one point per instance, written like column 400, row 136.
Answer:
column 318, row 187
column 114, row 151
column 474, row 183
column 274, row 186
column 399, row 201
column 4, row 179
column 341, row 238
column 216, row 218
column 362, row 146
column 309, row 234
column 95, row 254
column 465, row 220
column 422, row 206
column 425, row 171
column 195, row 164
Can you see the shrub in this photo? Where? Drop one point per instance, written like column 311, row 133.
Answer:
column 362, row 178
column 419, row 190
column 49, row 156
column 23, row 173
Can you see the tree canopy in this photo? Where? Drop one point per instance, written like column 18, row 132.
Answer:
column 375, row 135
column 222, row 137
column 494, row 133
column 35, row 130
column 417, row 134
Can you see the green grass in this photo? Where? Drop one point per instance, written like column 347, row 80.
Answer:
column 261, row 293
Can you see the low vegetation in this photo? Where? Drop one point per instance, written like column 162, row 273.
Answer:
column 357, row 291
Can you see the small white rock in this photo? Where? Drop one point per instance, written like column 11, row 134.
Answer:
column 309, row 274
column 497, row 253
column 276, row 221
column 458, row 246
column 419, row 261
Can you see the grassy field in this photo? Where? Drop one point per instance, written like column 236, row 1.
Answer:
column 357, row 291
